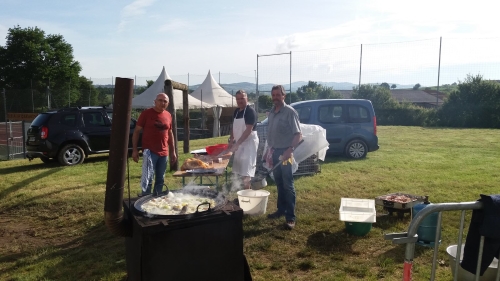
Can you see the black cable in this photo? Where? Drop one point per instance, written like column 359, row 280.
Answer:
column 128, row 183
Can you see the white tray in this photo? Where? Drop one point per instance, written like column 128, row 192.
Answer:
column 201, row 171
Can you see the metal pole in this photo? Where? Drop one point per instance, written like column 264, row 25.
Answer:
column 90, row 88
column 290, row 77
column 32, row 102
column 201, row 109
column 439, row 71
column 6, row 129
column 257, row 86
column 48, row 95
column 112, row 91
column 4, row 107
column 69, row 93
column 360, row 60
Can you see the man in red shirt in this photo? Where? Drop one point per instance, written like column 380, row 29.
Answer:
column 156, row 126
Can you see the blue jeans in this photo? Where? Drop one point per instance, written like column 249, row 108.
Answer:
column 152, row 164
column 283, row 177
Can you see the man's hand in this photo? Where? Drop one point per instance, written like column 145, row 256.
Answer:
column 135, row 155
column 287, row 154
column 173, row 156
column 233, row 148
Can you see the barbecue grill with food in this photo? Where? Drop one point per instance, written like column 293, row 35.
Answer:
column 399, row 202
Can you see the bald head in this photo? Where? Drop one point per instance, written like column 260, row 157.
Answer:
column 161, row 102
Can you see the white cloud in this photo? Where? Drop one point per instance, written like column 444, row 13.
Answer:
column 174, row 25
column 132, row 11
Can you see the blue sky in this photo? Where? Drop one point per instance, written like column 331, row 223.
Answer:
column 127, row 38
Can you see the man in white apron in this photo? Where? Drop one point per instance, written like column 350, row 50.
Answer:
column 244, row 140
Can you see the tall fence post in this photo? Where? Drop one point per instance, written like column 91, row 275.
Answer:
column 290, row 77
column 360, row 60
column 6, row 128
column 439, row 71
column 257, row 86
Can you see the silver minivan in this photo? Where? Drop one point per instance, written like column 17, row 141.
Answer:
column 351, row 124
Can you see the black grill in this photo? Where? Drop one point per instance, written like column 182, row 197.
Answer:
column 208, row 246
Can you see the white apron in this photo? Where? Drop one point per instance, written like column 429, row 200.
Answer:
column 245, row 157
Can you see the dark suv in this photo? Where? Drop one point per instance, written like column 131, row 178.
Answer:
column 71, row 134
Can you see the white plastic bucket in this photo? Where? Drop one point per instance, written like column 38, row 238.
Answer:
column 464, row 275
column 253, row 202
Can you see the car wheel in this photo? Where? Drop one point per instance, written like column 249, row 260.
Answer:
column 356, row 149
column 70, row 155
column 46, row 160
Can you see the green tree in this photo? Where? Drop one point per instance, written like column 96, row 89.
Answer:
column 325, row 92
column 313, row 90
column 30, row 57
column 385, row 85
column 417, row 86
column 394, row 86
column 475, row 104
column 380, row 97
column 149, row 83
column 309, row 91
column 265, row 102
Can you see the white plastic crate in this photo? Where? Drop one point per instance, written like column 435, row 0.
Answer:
column 357, row 210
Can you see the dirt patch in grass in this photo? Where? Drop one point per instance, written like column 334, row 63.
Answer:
column 19, row 235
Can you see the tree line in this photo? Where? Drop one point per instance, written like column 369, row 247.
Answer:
column 473, row 103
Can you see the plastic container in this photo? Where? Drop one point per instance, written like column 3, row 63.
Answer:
column 358, row 228
column 253, row 202
column 216, row 149
column 427, row 229
column 357, row 210
column 464, row 275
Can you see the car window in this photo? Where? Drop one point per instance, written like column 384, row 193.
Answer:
column 330, row 113
column 358, row 114
column 304, row 114
column 68, row 120
column 93, row 119
column 41, row 119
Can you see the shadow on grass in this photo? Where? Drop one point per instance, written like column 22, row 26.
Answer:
column 326, row 242
column 253, row 227
column 95, row 256
column 23, row 183
column 26, row 168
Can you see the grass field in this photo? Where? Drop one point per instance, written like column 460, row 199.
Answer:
column 51, row 217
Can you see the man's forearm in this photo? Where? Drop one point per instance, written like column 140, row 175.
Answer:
column 135, row 140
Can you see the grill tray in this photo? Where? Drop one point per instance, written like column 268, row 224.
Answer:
column 382, row 201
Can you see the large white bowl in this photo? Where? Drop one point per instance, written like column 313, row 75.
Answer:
column 253, row 202
column 464, row 275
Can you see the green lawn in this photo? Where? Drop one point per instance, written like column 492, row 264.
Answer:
column 51, row 217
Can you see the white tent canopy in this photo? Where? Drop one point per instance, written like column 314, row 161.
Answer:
column 211, row 92
column 146, row 98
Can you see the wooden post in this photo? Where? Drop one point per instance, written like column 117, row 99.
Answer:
column 185, row 108
column 169, row 91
